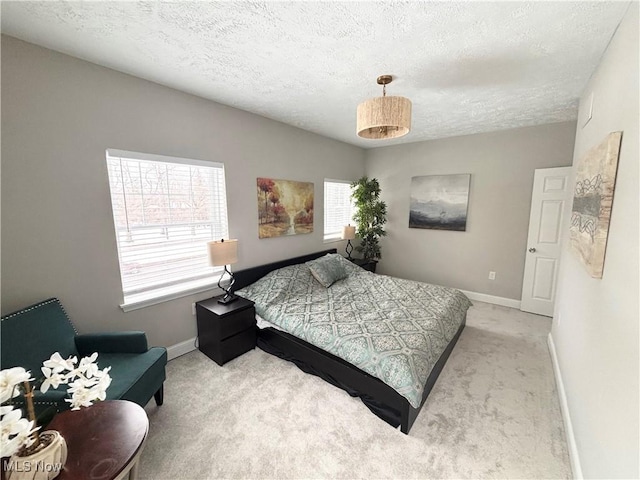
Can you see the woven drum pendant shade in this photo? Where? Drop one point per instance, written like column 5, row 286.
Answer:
column 384, row 117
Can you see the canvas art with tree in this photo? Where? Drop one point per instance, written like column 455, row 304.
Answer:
column 285, row 207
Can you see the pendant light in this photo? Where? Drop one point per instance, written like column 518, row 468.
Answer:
column 384, row 117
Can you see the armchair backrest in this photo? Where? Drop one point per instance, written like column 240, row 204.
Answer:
column 29, row 336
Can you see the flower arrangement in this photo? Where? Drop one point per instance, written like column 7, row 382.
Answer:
column 86, row 384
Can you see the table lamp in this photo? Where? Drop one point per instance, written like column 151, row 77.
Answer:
column 348, row 234
column 224, row 253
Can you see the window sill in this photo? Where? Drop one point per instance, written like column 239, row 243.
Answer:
column 135, row 302
column 332, row 240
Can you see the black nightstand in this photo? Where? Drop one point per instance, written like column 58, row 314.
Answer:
column 369, row 265
column 225, row 331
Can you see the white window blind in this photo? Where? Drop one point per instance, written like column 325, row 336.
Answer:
column 165, row 210
column 338, row 208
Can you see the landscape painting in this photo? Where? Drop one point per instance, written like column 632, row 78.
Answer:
column 592, row 201
column 439, row 202
column 285, row 207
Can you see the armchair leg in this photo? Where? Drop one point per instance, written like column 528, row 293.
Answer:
column 159, row 395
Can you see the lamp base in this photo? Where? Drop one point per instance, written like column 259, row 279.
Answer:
column 228, row 298
column 228, row 294
column 349, row 249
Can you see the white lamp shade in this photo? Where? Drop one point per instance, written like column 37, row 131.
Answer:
column 224, row 252
column 348, row 232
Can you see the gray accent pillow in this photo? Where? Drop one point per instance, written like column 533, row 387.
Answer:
column 327, row 270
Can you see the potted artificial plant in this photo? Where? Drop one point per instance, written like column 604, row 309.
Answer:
column 370, row 216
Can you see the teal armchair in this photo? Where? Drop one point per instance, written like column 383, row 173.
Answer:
column 31, row 335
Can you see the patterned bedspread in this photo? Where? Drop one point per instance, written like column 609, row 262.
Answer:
column 391, row 328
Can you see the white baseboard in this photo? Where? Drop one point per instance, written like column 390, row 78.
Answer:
column 181, row 348
column 574, row 457
column 483, row 297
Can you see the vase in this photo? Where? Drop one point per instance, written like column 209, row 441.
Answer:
column 43, row 464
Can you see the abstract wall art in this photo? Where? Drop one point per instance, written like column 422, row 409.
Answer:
column 592, row 201
column 285, row 207
column 439, row 202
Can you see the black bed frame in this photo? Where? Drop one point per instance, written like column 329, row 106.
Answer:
column 380, row 398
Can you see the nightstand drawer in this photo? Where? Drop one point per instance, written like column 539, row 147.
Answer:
column 232, row 324
column 236, row 345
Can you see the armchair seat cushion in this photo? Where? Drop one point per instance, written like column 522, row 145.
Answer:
column 134, row 376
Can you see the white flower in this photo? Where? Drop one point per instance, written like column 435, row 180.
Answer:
column 9, row 423
column 4, row 409
column 105, row 378
column 9, row 379
column 84, row 391
column 51, row 379
column 87, row 366
column 24, row 436
column 58, row 364
column 15, row 432
column 9, row 446
column 100, row 389
column 80, row 398
column 104, row 373
column 90, row 359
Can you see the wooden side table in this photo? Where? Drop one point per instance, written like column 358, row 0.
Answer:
column 104, row 441
column 226, row 331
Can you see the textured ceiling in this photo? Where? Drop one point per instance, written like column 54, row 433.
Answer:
column 468, row 67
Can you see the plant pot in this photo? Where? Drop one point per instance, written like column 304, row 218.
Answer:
column 43, row 464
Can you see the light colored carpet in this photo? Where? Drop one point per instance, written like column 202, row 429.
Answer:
column 493, row 413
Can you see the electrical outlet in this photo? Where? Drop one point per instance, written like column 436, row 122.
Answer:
column 492, row 275
column 193, row 308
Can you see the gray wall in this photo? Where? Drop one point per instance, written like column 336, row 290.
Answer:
column 595, row 326
column 501, row 165
column 59, row 114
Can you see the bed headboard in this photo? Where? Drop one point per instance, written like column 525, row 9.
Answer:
column 250, row 275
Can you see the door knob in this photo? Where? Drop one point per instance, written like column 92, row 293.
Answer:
column 532, row 250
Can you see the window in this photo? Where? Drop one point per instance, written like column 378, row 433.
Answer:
column 165, row 210
column 338, row 208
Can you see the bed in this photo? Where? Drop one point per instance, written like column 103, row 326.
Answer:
column 359, row 333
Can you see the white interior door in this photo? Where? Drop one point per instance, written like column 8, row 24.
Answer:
column 550, row 194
